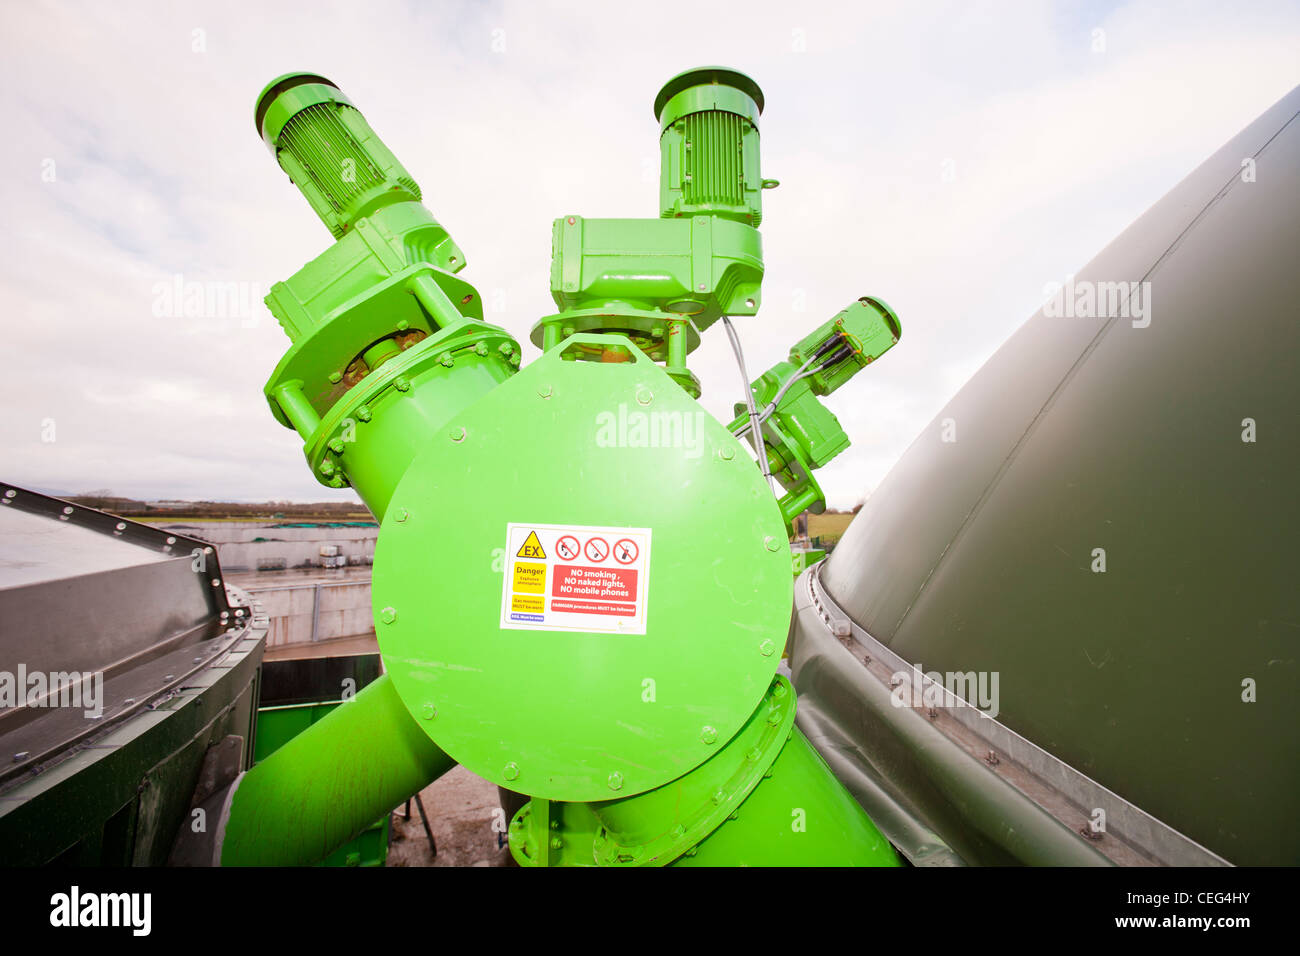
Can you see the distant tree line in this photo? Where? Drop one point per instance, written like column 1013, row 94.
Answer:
column 134, row 508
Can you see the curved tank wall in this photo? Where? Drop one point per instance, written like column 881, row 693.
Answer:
column 981, row 553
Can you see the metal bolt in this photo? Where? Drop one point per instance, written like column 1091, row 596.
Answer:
column 335, row 377
column 511, row 771
column 545, row 391
column 457, row 434
column 505, row 348
column 401, row 384
column 779, row 690
column 446, row 359
column 774, row 717
column 726, row 453
column 400, row 515
column 556, row 843
column 481, row 349
column 771, row 543
column 709, row 734
column 430, row 712
column 992, row 758
column 363, row 413
column 753, row 754
column 615, row 781
column 388, row 615
column 718, row 797
column 336, row 445
column 644, row 396
column 767, row 648
column 21, row 755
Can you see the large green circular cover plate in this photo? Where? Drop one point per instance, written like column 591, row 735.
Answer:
column 567, row 474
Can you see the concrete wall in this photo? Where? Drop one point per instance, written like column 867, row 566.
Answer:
column 295, row 547
column 322, row 610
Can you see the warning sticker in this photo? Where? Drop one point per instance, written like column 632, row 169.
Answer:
column 576, row 578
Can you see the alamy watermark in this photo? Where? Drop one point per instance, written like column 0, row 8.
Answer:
column 75, row 908
column 179, row 298
column 1086, row 299
column 633, row 428
column 915, row 688
column 82, row 690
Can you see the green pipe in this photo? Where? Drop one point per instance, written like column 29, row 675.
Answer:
column 330, row 782
column 296, row 408
column 435, row 302
column 799, row 815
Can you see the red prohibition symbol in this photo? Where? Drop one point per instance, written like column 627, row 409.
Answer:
column 567, row 547
column 625, row 551
column 596, row 549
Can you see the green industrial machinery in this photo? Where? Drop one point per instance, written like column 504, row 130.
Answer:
column 582, row 585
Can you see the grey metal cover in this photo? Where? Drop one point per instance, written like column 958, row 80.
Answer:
column 1085, row 433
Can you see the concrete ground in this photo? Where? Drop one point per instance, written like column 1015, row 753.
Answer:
column 462, row 809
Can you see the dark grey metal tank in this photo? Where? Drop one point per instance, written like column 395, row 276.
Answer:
column 1169, row 681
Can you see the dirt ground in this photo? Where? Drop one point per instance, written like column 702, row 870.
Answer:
column 461, row 808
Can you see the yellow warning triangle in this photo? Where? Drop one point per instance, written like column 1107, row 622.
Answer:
column 532, row 547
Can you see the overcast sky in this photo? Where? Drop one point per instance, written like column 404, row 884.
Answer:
column 952, row 159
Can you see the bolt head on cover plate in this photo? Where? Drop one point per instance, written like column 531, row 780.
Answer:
column 547, row 493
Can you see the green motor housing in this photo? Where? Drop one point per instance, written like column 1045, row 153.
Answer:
column 709, row 145
column 321, row 140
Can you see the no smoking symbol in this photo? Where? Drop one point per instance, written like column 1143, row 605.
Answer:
column 596, row 549
column 567, row 547
column 625, row 551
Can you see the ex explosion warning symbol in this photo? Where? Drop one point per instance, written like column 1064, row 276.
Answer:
column 569, row 578
column 532, row 547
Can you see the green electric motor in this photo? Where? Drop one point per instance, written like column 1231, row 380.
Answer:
column 329, row 150
column 709, row 146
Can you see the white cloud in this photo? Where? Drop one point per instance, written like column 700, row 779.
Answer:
column 1055, row 149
